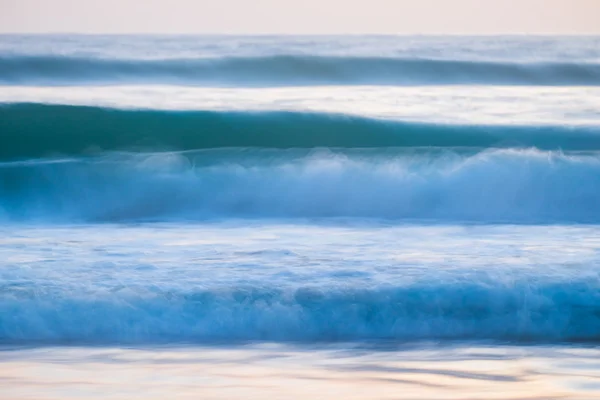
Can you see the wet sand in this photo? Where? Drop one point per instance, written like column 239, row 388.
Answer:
column 296, row 372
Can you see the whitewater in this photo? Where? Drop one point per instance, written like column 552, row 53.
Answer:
column 413, row 214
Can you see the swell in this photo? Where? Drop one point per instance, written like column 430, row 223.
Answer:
column 281, row 70
column 535, row 310
column 494, row 186
column 38, row 130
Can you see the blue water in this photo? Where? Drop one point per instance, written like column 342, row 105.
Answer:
column 300, row 191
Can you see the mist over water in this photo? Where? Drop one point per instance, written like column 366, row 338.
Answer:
column 484, row 186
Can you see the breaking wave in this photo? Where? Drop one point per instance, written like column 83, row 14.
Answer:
column 502, row 185
column 463, row 309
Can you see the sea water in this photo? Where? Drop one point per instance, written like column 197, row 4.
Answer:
column 309, row 217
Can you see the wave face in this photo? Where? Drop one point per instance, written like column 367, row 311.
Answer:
column 446, row 185
column 461, row 310
column 294, row 70
column 36, row 130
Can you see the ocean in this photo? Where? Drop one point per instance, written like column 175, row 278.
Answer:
column 269, row 217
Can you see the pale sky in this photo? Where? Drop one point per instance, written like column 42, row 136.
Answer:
column 302, row 16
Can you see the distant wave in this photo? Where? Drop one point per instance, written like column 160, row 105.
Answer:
column 532, row 309
column 37, row 130
column 494, row 186
column 286, row 70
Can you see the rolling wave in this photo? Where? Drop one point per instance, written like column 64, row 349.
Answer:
column 286, row 70
column 493, row 186
column 533, row 309
column 38, row 130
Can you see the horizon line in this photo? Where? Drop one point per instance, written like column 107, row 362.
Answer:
column 258, row 34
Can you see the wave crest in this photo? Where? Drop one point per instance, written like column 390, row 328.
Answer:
column 38, row 130
column 282, row 70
